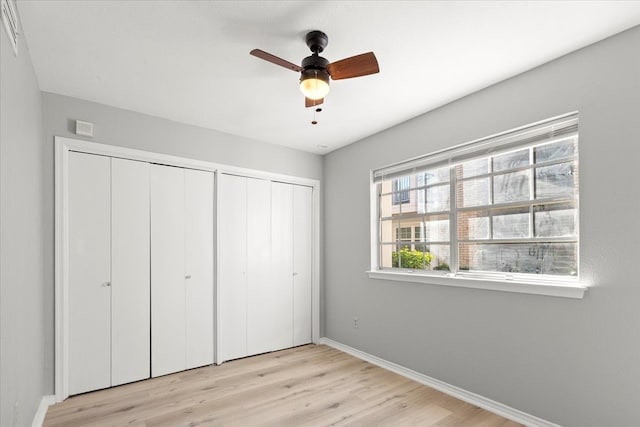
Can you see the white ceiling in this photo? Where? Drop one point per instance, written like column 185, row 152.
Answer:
column 189, row 61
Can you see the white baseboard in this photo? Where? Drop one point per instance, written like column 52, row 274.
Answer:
column 38, row 418
column 464, row 395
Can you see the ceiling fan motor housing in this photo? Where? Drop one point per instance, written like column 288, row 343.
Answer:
column 315, row 67
column 315, row 62
column 317, row 41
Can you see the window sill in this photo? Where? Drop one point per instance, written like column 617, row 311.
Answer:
column 559, row 289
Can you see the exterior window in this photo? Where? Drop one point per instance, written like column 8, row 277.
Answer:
column 498, row 207
column 401, row 190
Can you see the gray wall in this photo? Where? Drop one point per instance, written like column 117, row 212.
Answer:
column 572, row 362
column 115, row 126
column 22, row 376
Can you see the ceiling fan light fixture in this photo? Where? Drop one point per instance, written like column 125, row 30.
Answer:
column 314, row 84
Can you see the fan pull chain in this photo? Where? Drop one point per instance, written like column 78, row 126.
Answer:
column 314, row 121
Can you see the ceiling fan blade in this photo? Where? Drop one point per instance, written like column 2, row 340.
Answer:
column 355, row 66
column 312, row 102
column 275, row 60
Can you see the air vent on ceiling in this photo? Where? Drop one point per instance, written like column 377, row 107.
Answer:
column 10, row 21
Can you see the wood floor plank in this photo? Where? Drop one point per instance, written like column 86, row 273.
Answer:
column 312, row 385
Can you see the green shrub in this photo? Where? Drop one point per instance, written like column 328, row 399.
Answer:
column 411, row 259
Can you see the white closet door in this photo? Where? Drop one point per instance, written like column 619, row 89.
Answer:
column 199, row 267
column 261, row 334
column 130, row 285
column 302, row 244
column 281, row 298
column 167, row 270
column 232, row 289
column 89, row 273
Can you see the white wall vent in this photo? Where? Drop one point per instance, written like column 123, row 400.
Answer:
column 84, row 128
column 10, row 21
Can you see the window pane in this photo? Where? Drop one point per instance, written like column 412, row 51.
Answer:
column 387, row 231
column 428, row 257
column 511, row 223
column 473, row 225
column 400, row 195
column 511, row 160
column 436, row 176
column 412, row 259
column 440, row 257
column 473, row 168
column 555, row 151
column 435, row 229
column 511, row 187
column 534, row 258
column 555, row 180
column 473, row 192
column 438, row 198
column 386, row 255
column 387, row 208
column 555, row 220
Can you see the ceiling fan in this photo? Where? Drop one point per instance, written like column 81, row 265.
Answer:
column 316, row 71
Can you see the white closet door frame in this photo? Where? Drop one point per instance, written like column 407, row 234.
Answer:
column 62, row 148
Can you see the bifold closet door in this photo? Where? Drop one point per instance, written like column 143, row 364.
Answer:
column 198, row 267
column 130, row 281
column 281, row 301
column 168, row 314
column 261, row 309
column 302, row 255
column 108, row 271
column 265, row 237
column 232, row 288
column 89, row 210
column 181, row 269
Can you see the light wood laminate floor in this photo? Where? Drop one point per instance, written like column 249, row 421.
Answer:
column 304, row 386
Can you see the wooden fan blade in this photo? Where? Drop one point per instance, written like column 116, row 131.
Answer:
column 312, row 102
column 355, row 66
column 275, row 60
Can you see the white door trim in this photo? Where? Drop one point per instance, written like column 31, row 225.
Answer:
column 62, row 148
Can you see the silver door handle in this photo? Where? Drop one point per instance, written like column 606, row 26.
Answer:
column 188, row 276
column 105, row 284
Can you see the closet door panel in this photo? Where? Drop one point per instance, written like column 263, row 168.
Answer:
column 232, row 295
column 260, row 305
column 281, row 300
column 89, row 272
column 302, row 244
column 167, row 270
column 130, row 278
column 199, row 267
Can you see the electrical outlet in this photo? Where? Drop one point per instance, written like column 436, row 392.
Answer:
column 356, row 323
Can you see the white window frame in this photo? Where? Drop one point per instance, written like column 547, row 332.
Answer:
column 513, row 140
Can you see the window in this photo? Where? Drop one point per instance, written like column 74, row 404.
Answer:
column 504, row 207
column 400, row 190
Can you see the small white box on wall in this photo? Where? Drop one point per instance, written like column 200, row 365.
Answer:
column 84, row 128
